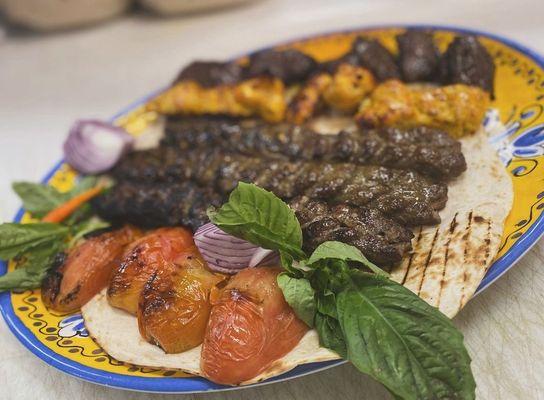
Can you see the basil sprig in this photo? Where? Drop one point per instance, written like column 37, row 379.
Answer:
column 382, row 328
column 35, row 245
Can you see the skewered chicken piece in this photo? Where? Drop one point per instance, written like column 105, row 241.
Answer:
column 457, row 109
column 428, row 151
column 344, row 90
column 264, row 97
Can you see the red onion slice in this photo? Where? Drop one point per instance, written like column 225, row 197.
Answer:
column 94, row 146
column 228, row 254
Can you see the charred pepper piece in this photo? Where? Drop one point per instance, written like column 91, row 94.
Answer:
column 374, row 56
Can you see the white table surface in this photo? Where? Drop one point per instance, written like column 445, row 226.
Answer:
column 48, row 81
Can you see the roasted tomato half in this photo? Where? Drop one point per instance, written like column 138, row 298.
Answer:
column 250, row 327
column 86, row 270
column 152, row 252
column 175, row 304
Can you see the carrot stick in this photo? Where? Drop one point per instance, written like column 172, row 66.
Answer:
column 60, row 213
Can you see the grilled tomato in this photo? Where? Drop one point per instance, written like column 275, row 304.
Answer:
column 174, row 305
column 153, row 252
column 250, row 327
column 86, row 270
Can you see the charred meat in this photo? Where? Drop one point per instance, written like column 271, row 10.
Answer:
column 151, row 205
column 372, row 55
column 419, row 59
column 381, row 239
column 290, row 66
column 211, row 73
column 467, row 62
column 426, row 150
column 404, row 195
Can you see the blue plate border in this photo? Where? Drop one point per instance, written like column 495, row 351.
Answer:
column 194, row 385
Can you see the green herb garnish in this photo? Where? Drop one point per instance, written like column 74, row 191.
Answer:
column 35, row 245
column 384, row 329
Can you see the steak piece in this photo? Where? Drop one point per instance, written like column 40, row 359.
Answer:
column 290, row 66
column 419, row 58
column 467, row 61
column 211, row 73
column 406, row 196
column 152, row 205
column 380, row 239
column 428, row 151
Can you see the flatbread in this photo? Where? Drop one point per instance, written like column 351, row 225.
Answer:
column 116, row 331
column 449, row 261
column 445, row 267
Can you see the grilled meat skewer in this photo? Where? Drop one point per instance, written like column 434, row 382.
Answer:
column 429, row 151
column 406, row 196
column 150, row 205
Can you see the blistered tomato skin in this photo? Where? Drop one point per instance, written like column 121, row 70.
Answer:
column 154, row 252
column 87, row 270
column 174, row 305
column 250, row 327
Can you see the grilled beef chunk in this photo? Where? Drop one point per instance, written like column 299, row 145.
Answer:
column 419, row 59
column 290, row 66
column 406, row 196
column 373, row 56
column 382, row 240
column 211, row 73
column 151, row 205
column 467, row 61
column 429, row 151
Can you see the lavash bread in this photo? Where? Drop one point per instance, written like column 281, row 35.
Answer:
column 446, row 266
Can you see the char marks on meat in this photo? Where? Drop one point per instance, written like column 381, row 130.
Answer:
column 468, row 62
column 156, row 204
column 405, row 195
column 419, row 58
column 429, row 151
column 381, row 240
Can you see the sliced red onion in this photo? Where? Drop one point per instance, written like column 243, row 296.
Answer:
column 94, row 146
column 228, row 254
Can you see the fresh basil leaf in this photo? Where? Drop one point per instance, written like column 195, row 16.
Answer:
column 400, row 340
column 330, row 334
column 86, row 227
column 32, row 269
column 261, row 218
column 299, row 295
column 38, row 199
column 17, row 239
column 341, row 251
column 326, row 304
